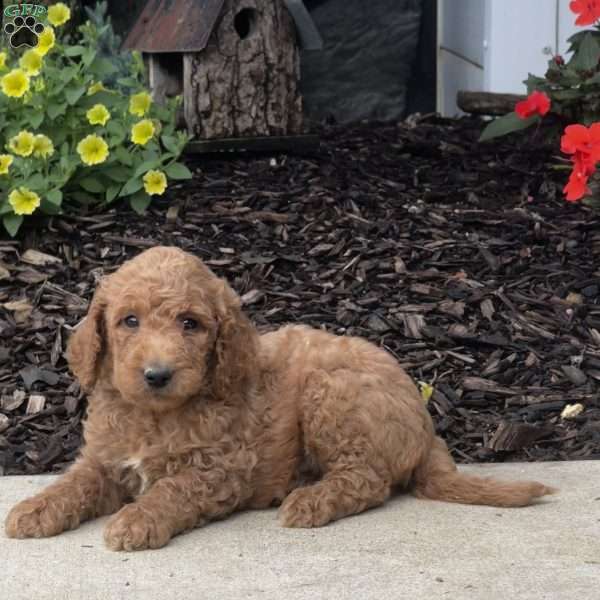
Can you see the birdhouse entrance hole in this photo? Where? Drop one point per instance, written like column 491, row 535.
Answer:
column 166, row 75
column 245, row 22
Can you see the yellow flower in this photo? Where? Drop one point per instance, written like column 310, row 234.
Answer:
column 45, row 41
column 155, row 182
column 23, row 201
column 93, row 150
column 59, row 14
column 139, row 104
column 22, row 144
column 2, row 60
column 95, row 88
column 31, row 62
column 98, row 115
column 142, row 132
column 5, row 162
column 15, row 83
column 43, row 146
column 426, row 390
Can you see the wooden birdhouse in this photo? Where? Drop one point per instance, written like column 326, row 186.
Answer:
column 236, row 62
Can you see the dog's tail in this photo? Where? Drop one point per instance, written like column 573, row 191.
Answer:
column 437, row 478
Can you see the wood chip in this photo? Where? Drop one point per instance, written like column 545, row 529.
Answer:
column 12, row 402
column 575, row 375
column 35, row 404
column 39, row 259
column 514, row 436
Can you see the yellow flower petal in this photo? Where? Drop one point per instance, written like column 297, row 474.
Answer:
column 23, row 201
column 98, row 115
column 95, row 88
column 93, row 150
column 142, row 132
column 46, row 41
column 15, row 83
column 31, row 62
column 59, row 14
column 139, row 104
column 43, row 146
column 5, row 161
column 426, row 390
column 22, row 143
column 155, row 182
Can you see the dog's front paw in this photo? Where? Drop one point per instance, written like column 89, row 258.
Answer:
column 302, row 508
column 134, row 528
column 37, row 517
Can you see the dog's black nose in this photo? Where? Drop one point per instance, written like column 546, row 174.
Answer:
column 157, row 376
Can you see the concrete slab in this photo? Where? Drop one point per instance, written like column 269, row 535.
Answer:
column 407, row 549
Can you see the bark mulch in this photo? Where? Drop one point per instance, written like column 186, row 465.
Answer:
column 461, row 259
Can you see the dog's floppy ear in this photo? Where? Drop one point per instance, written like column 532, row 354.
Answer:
column 236, row 346
column 86, row 344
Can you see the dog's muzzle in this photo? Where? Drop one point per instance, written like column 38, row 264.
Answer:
column 157, row 376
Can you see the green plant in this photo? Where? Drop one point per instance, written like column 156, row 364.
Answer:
column 71, row 139
column 570, row 91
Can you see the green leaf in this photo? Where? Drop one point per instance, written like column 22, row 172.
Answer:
column 533, row 82
column 12, row 223
column 140, row 202
column 131, row 187
column 5, row 208
column 566, row 94
column 111, row 100
column 49, row 208
column 178, row 171
column 146, row 166
column 73, row 94
column 54, row 197
column 36, row 182
column 74, row 50
column 115, row 128
column 102, row 68
column 128, row 82
column 112, row 191
column 123, row 155
column 587, row 55
column 92, row 185
column 118, row 173
column 36, row 118
column 55, row 110
column 88, row 57
column 506, row 124
column 67, row 74
column 83, row 197
column 171, row 144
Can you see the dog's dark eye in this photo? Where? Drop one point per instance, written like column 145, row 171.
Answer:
column 131, row 321
column 190, row 324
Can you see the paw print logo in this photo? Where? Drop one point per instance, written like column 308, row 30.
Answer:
column 23, row 32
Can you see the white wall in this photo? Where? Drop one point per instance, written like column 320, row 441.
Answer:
column 492, row 45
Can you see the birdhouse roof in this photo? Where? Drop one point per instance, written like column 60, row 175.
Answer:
column 186, row 25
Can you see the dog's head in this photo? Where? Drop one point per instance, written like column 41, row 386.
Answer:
column 162, row 330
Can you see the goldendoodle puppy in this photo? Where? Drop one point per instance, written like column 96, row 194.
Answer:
column 193, row 415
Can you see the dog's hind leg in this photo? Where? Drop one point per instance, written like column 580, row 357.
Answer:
column 343, row 491
column 337, row 435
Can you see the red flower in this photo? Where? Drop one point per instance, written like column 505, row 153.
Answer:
column 583, row 144
column 537, row 103
column 588, row 11
column 559, row 60
column 580, row 139
column 577, row 187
